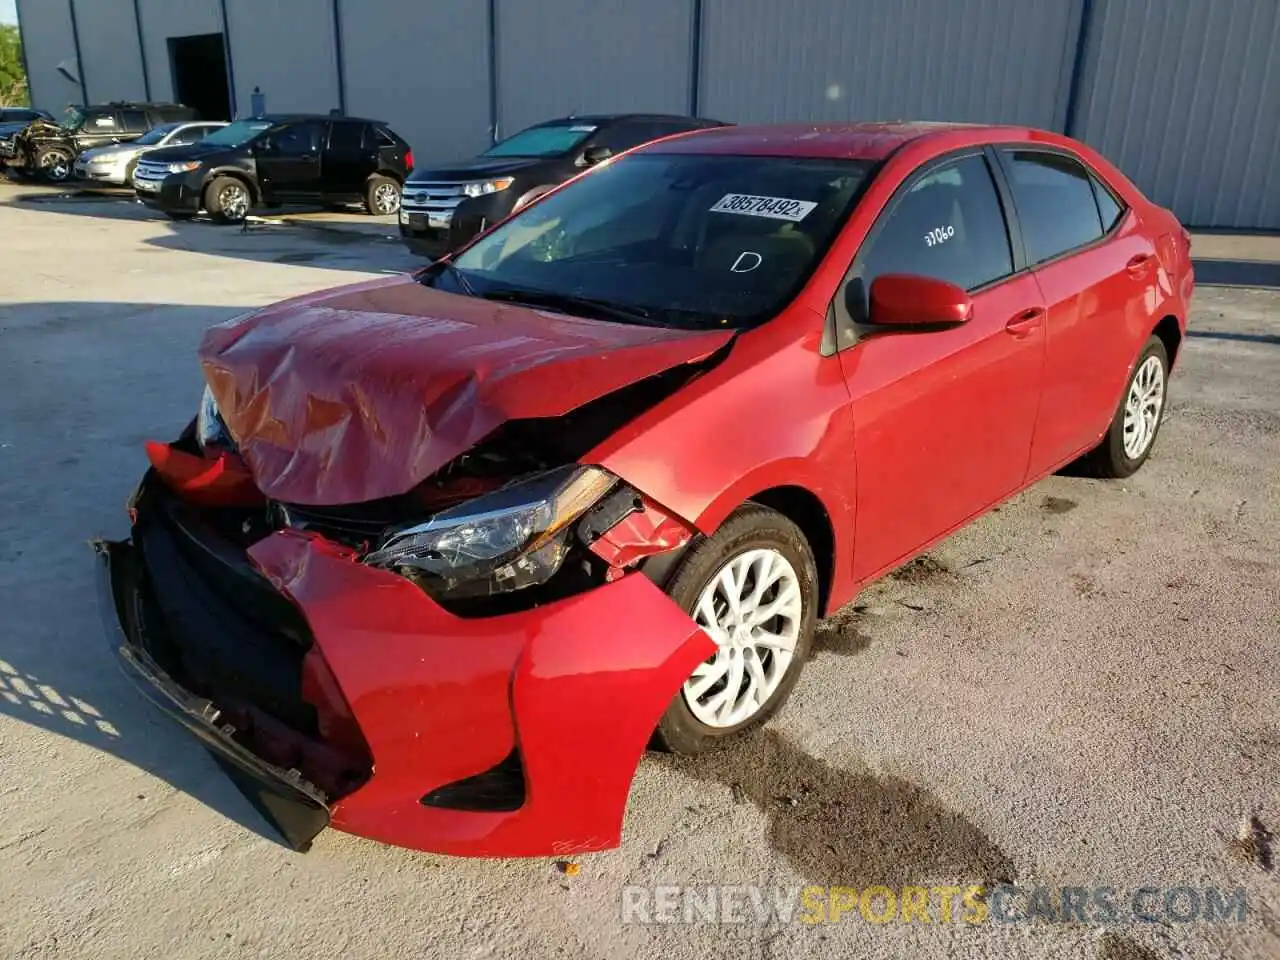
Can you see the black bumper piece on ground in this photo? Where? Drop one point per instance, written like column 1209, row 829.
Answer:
column 293, row 806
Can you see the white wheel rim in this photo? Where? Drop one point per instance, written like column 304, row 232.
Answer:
column 234, row 201
column 386, row 198
column 752, row 608
column 1142, row 407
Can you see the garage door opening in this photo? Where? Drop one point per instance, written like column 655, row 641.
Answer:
column 199, row 68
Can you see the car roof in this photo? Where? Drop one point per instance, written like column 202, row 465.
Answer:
column 855, row 141
column 295, row 117
column 601, row 119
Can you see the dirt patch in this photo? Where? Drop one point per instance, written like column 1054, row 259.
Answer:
column 1112, row 946
column 923, row 569
column 1057, row 505
column 843, row 639
column 850, row 826
column 1252, row 843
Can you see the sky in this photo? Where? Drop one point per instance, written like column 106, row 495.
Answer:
column 8, row 11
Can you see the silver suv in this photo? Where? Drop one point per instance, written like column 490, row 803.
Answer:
column 114, row 164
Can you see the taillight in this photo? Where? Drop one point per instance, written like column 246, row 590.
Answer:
column 408, row 159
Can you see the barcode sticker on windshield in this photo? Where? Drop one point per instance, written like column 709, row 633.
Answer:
column 776, row 208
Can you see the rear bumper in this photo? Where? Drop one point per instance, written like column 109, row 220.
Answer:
column 512, row 735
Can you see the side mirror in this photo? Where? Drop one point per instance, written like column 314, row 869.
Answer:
column 593, row 155
column 905, row 300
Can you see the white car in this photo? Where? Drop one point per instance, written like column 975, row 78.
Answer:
column 114, row 163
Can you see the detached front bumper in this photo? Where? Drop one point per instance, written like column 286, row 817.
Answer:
column 297, row 809
column 513, row 735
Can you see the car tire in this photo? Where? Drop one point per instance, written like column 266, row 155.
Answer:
column 1133, row 430
column 227, row 199
column 54, row 164
column 381, row 196
column 753, row 541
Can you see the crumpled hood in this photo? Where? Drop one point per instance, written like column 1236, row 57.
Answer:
column 363, row 392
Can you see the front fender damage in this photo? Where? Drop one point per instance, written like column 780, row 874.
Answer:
column 573, row 690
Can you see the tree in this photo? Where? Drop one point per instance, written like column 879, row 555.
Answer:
column 13, row 79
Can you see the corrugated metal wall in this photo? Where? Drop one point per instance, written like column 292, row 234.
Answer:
column 270, row 40
column 1185, row 98
column 423, row 68
column 109, row 45
column 974, row 60
column 162, row 19
column 46, row 34
column 1184, row 95
column 620, row 55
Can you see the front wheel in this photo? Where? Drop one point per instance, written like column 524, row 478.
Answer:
column 227, row 200
column 753, row 588
column 54, row 164
column 1133, row 430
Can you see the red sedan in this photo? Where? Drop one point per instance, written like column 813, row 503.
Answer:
column 441, row 555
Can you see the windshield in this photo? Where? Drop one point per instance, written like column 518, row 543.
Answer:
column 235, row 134
column 548, row 141
column 72, row 118
column 680, row 240
column 156, row 134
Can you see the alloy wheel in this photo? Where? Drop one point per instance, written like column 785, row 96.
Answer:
column 753, row 608
column 386, row 198
column 1142, row 407
column 233, row 200
column 56, row 166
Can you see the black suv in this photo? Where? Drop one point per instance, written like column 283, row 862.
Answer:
column 445, row 206
column 50, row 148
column 271, row 161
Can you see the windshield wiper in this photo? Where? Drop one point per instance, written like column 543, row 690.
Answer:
column 571, row 303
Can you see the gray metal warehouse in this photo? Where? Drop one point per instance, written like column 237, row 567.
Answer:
column 1183, row 94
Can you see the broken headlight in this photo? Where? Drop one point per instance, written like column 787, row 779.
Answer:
column 209, row 426
column 514, row 537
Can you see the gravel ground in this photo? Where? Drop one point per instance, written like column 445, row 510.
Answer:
column 1079, row 690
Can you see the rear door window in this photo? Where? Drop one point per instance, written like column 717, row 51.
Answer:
column 346, row 138
column 948, row 225
column 135, row 121
column 1057, row 210
column 1109, row 208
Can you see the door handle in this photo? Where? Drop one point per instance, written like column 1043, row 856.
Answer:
column 1138, row 264
column 1026, row 322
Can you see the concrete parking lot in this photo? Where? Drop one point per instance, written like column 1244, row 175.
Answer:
column 1080, row 690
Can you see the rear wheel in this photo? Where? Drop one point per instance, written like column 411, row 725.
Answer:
column 753, row 588
column 227, row 200
column 1133, row 430
column 54, row 163
column 382, row 196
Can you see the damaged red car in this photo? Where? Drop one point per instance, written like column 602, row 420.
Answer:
column 441, row 555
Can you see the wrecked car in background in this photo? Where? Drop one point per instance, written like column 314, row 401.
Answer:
column 48, row 149
column 440, row 555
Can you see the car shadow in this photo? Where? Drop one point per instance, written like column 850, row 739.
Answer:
column 296, row 235
column 85, row 385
